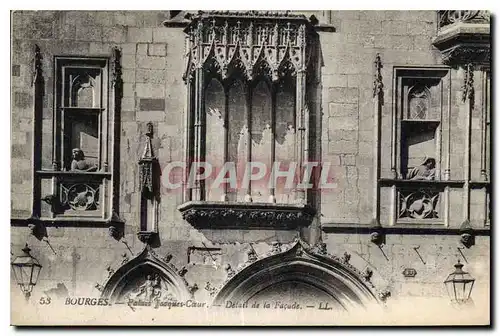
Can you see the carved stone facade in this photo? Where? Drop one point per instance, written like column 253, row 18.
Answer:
column 401, row 121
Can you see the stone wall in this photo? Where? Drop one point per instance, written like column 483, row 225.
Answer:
column 154, row 91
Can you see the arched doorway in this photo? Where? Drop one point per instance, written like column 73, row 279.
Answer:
column 145, row 279
column 299, row 276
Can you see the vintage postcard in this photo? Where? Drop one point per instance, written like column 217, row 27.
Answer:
column 250, row 167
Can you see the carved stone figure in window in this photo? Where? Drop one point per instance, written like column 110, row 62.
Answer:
column 425, row 171
column 79, row 163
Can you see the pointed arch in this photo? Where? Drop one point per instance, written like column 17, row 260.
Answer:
column 238, row 64
column 326, row 276
column 131, row 275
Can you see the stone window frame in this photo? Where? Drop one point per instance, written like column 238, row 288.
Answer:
column 441, row 184
column 48, row 189
column 205, row 40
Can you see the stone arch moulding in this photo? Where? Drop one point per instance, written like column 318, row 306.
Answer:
column 146, row 272
column 301, row 265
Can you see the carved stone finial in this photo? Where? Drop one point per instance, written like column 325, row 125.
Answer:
column 346, row 258
column 182, row 271
column 229, row 270
column 320, row 248
column 125, row 258
column 367, row 274
column 192, row 289
column 252, row 255
column 276, row 247
column 210, row 289
column 167, row 258
column 110, row 270
column 468, row 86
column 377, row 82
column 384, row 295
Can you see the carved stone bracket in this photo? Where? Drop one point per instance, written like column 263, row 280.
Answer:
column 377, row 233
column 246, row 215
column 147, row 237
column 464, row 37
column 467, row 235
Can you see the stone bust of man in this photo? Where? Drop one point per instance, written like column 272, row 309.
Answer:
column 79, row 163
column 425, row 171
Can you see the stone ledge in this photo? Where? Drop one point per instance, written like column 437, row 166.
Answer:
column 387, row 182
column 235, row 215
column 431, row 229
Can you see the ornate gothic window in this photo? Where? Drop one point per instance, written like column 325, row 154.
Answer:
column 246, row 76
column 419, row 192
column 79, row 185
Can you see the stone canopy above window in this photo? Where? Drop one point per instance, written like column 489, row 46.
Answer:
column 271, row 44
column 463, row 36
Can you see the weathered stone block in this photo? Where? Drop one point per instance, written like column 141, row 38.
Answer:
column 89, row 33
column 16, row 70
column 151, row 62
column 128, row 61
column 114, row 34
column 342, row 146
column 129, row 48
column 146, row 104
column 147, row 90
column 139, row 34
column 150, row 76
column 342, row 95
column 342, row 110
column 22, row 99
column 147, row 116
column 157, row 49
column 343, row 123
column 142, row 48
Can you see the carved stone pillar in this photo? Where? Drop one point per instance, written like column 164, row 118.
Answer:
column 378, row 101
column 302, row 115
column 198, row 193
column 468, row 99
column 38, row 93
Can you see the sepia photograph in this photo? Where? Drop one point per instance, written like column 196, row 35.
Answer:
column 250, row 167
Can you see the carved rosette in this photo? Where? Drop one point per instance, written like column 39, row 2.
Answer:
column 250, row 44
column 419, row 204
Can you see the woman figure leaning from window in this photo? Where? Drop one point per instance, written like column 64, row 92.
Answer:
column 79, row 163
column 425, row 171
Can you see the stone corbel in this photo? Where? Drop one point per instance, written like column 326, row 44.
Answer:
column 377, row 234
column 467, row 235
column 37, row 228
